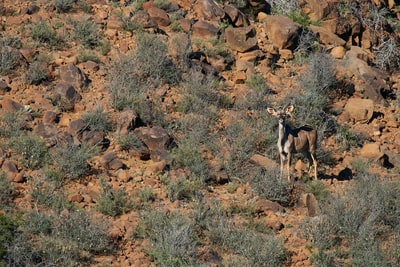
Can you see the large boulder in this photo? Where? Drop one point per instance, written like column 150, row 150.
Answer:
column 159, row 16
column 236, row 17
column 208, row 10
column 326, row 37
column 241, row 39
column 156, row 139
column 204, row 30
column 282, row 31
column 71, row 74
column 360, row 110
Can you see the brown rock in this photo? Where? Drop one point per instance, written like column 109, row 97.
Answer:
column 360, row 110
column 203, row 29
column 159, row 16
column 315, row 9
column 71, row 74
column 262, row 205
column 77, row 198
column 143, row 18
column 241, row 39
column 9, row 105
column 326, row 37
column 281, row 31
column 371, row 151
column 208, row 10
column 111, row 162
column 156, row 139
column 127, row 121
column 4, row 88
column 263, row 161
column 236, row 17
column 338, row 52
column 66, row 96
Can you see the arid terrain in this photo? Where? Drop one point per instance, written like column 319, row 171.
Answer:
column 137, row 133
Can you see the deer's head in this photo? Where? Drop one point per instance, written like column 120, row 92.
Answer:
column 281, row 114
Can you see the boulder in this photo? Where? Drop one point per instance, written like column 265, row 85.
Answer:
column 338, row 52
column 371, row 151
column 110, row 161
column 315, row 9
column 282, row 31
column 65, row 96
column 156, row 139
column 9, row 105
column 159, row 16
column 143, row 19
column 326, row 37
column 236, row 17
column 203, row 29
column 208, row 10
column 71, row 74
column 360, row 110
column 264, row 162
column 127, row 121
column 241, row 39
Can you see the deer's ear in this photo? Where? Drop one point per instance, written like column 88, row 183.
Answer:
column 271, row 111
column 289, row 109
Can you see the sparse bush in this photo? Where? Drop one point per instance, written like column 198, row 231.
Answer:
column 32, row 149
column 268, row 184
column 143, row 198
column 112, row 201
column 44, row 33
column 83, row 4
column 7, row 192
column 12, row 123
column 186, row 155
column 97, row 120
column 162, row 4
column 63, row 6
column 307, row 44
column 200, row 95
column 258, row 249
column 152, row 61
column 72, row 160
column 8, row 232
column 173, row 238
column 89, row 56
column 182, row 188
column 38, row 72
column 318, row 189
column 130, row 141
column 387, row 54
column 87, row 33
column 360, row 221
column 284, row 7
column 8, row 58
column 257, row 98
column 346, row 138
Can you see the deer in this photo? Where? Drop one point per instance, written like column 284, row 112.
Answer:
column 294, row 140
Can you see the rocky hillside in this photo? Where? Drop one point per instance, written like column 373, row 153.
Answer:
column 136, row 133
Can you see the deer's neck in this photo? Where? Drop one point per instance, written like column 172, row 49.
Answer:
column 283, row 132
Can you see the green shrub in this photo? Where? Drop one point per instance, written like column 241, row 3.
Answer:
column 256, row 98
column 318, row 189
column 63, row 6
column 7, row 190
column 97, row 120
column 8, row 232
column 112, row 201
column 38, row 72
column 182, row 188
column 9, row 59
column 32, row 149
column 360, row 222
column 347, row 139
column 12, row 123
column 173, row 238
column 130, row 141
column 72, row 160
column 44, row 33
column 188, row 156
column 268, row 184
column 87, row 33
column 152, row 61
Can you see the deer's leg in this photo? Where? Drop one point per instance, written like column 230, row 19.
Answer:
column 315, row 165
column 282, row 163
column 288, row 166
column 310, row 162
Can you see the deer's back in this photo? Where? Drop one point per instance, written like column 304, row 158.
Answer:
column 304, row 138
